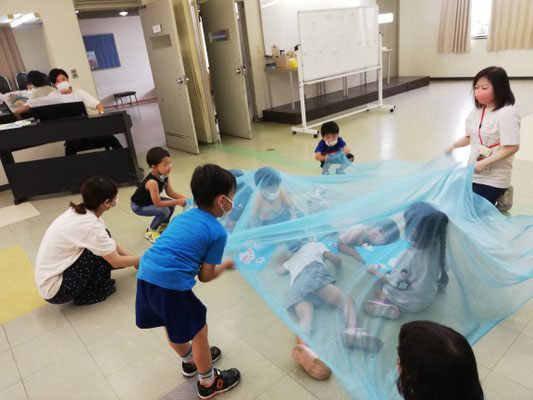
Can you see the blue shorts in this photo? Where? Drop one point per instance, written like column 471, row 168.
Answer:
column 181, row 312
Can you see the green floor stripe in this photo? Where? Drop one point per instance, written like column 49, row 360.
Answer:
column 272, row 157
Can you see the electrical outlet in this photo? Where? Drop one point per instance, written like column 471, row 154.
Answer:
column 74, row 73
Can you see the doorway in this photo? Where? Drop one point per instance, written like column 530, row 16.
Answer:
column 223, row 24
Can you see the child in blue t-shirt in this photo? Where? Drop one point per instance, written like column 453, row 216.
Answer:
column 330, row 145
column 192, row 245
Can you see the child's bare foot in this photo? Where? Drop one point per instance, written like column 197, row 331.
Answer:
column 357, row 337
column 310, row 362
column 381, row 308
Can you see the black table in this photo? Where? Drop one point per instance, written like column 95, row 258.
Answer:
column 67, row 173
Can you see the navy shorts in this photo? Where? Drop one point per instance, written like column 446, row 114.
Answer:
column 491, row 193
column 181, row 312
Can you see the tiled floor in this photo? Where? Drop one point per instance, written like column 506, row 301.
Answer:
column 96, row 352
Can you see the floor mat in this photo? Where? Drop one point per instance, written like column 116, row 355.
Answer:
column 18, row 293
column 12, row 214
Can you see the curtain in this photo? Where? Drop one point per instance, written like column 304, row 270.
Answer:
column 10, row 60
column 195, row 68
column 454, row 31
column 511, row 25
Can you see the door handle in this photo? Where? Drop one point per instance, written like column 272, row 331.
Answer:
column 182, row 80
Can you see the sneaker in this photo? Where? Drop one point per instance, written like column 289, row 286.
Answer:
column 224, row 381
column 189, row 369
column 162, row 227
column 505, row 201
column 310, row 362
column 381, row 308
column 151, row 235
column 360, row 338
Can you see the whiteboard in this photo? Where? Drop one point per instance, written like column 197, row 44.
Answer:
column 280, row 23
column 338, row 41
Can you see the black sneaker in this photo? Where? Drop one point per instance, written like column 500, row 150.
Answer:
column 224, row 381
column 189, row 369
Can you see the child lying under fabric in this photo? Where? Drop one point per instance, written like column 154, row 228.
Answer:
column 311, row 285
column 378, row 233
column 419, row 272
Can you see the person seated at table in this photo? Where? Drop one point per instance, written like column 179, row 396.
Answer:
column 65, row 93
column 37, row 83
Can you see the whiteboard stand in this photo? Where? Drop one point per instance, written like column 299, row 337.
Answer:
column 301, row 83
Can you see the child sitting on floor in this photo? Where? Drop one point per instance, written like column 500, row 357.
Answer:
column 146, row 200
column 419, row 272
column 273, row 204
column 330, row 145
column 311, row 284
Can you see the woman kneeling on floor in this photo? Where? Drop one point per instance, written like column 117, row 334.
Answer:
column 77, row 253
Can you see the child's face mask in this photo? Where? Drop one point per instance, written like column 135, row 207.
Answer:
column 270, row 196
column 332, row 143
column 224, row 212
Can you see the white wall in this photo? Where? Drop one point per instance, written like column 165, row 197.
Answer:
column 64, row 45
column 62, row 36
column 418, row 36
column 32, row 48
column 134, row 72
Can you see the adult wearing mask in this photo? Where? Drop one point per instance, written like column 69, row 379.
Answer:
column 59, row 78
column 65, row 93
column 493, row 131
column 77, row 253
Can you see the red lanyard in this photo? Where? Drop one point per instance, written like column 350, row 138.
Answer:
column 479, row 130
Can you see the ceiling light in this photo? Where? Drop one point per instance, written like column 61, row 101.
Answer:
column 21, row 19
column 123, row 13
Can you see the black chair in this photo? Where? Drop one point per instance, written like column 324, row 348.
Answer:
column 5, row 87
column 22, row 80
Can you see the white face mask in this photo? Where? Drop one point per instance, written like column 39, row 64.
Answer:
column 332, row 143
column 271, row 196
column 63, row 86
column 224, row 212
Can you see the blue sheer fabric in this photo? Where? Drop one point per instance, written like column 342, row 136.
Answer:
column 404, row 241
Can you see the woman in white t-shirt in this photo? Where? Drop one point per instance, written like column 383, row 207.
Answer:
column 77, row 253
column 65, row 93
column 493, row 131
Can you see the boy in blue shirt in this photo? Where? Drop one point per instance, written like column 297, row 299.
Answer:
column 192, row 245
column 330, row 145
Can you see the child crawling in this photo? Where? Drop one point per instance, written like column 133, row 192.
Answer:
column 312, row 284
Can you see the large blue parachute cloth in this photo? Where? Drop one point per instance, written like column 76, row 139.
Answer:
column 440, row 252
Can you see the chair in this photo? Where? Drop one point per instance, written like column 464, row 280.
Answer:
column 22, row 80
column 5, row 87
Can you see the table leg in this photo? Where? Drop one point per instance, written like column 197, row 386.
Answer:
column 136, row 101
column 269, row 90
column 388, row 67
column 292, row 90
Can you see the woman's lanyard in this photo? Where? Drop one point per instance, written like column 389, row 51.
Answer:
column 479, row 130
